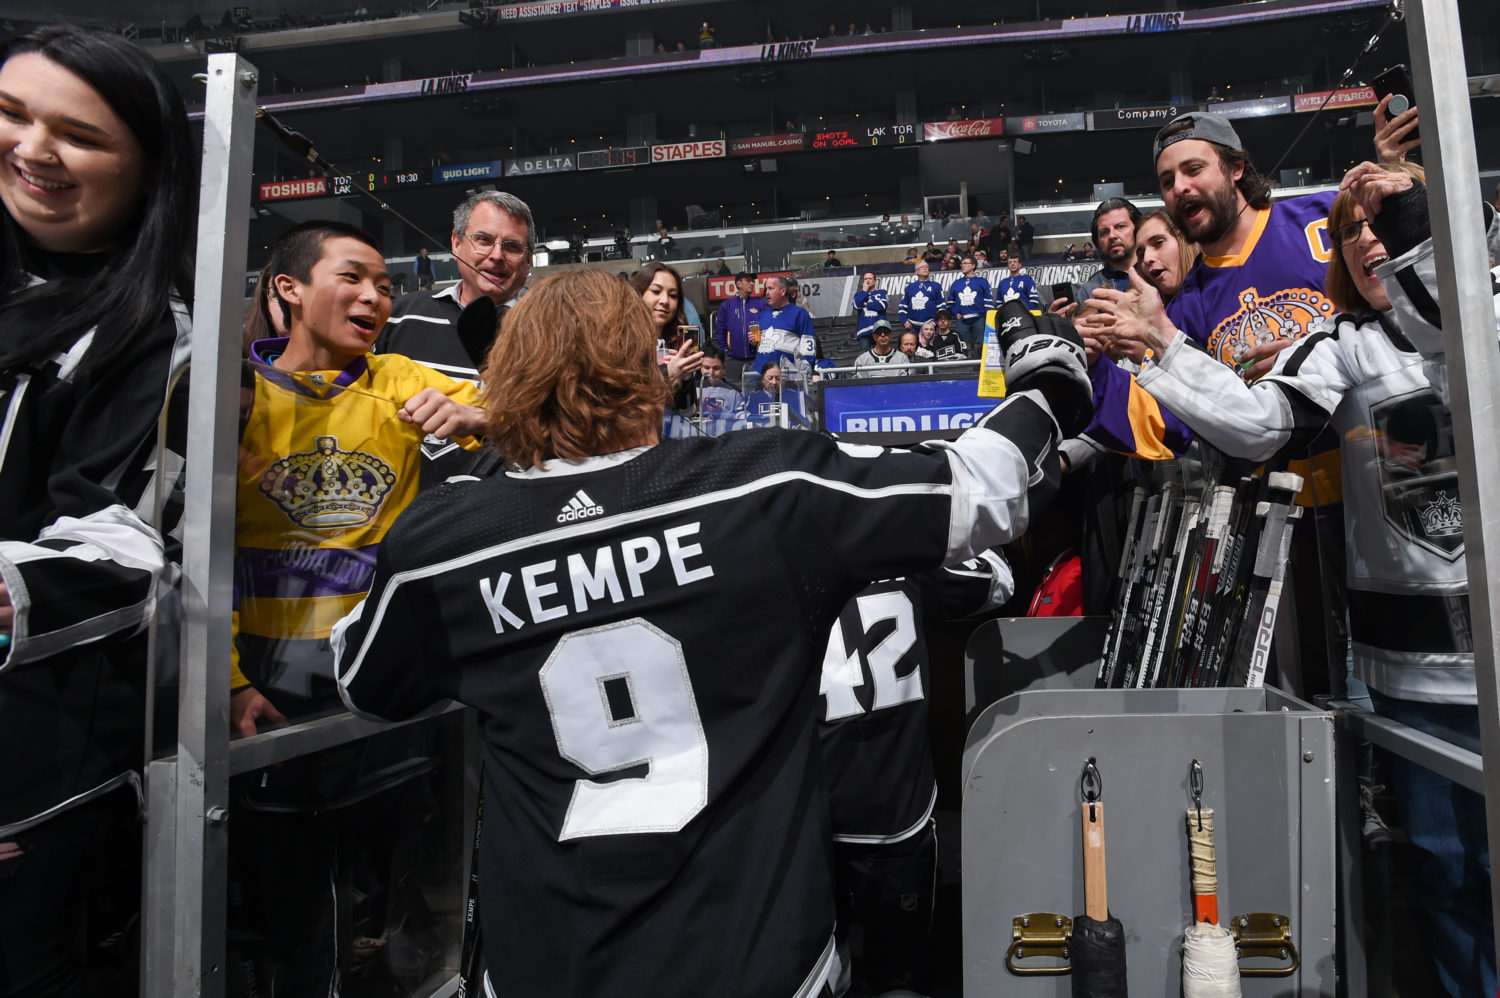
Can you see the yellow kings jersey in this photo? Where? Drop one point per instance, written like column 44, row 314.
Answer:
column 325, row 467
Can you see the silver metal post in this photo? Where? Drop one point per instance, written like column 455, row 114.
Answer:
column 201, row 767
column 1437, row 47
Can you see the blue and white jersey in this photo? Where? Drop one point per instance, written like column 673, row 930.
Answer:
column 971, row 297
column 786, row 338
column 920, row 301
column 1020, row 288
column 869, row 307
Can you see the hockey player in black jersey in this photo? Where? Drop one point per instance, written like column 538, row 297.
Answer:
column 878, row 761
column 655, row 817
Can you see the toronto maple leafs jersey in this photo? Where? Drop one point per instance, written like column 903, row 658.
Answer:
column 787, row 339
column 1408, row 585
column 971, row 297
column 1020, row 288
column 920, row 301
column 876, row 674
column 660, row 823
column 322, row 475
column 869, row 308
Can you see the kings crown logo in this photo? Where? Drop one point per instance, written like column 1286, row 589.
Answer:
column 1443, row 517
column 328, row 487
column 1287, row 314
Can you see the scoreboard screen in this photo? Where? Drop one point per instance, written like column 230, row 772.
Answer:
column 600, row 159
column 374, row 181
column 864, row 135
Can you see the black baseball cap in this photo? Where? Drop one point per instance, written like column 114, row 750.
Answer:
column 745, row 275
column 1201, row 125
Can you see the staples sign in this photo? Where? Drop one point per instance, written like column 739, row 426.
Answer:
column 283, row 190
column 672, row 152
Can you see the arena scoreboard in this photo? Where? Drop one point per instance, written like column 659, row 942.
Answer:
column 865, row 134
column 374, row 181
column 600, row 159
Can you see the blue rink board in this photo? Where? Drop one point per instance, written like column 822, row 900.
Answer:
column 902, row 404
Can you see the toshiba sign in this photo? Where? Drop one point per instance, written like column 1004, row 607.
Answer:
column 284, row 189
column 672, row 152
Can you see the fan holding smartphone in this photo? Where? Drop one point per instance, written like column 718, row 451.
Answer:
column 1395, row 115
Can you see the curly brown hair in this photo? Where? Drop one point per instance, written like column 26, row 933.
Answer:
column 573, row 373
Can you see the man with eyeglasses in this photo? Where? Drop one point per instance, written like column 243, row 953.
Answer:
column 492, row 239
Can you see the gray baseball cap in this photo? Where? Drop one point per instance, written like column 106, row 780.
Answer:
column 881, row 324
column 1202, row 125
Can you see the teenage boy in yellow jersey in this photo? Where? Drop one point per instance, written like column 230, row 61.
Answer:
column 328, row 457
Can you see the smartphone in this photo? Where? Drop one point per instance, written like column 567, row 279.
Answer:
column 1396, row 81
column 691, row 333
column 1064, row 289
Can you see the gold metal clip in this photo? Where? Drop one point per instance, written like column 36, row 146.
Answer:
column 1264, row 934
column 1040, row 935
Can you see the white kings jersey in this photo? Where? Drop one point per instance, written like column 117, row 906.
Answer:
column 876, row 674
column 656, row 819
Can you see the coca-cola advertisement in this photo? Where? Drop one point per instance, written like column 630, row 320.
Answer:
column 969, row 128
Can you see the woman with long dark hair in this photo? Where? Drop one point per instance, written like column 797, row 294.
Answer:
column 660, row 287
column 98, row 180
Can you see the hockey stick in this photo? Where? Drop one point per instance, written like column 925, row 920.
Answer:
column 1205, row 582
column 1130, row 620
column 1253, row 641
column 1112, row 636
column 1156, row 570
column 470, row 950
column 1237, row 581
column 1178, row 518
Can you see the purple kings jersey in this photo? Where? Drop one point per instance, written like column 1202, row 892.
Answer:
column 1272, row 289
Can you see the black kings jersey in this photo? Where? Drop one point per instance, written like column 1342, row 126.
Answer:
column 656, row 821
column 876, row 674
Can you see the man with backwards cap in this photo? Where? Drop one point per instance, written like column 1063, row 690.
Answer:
column 1258, row 284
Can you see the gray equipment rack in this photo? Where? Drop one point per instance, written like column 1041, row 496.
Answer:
column 1268, row 764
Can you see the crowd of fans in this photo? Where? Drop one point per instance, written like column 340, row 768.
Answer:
column 94, row 336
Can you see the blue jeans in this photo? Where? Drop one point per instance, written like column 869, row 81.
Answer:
column 866, row 341
column 1447, row 822
column 972, row 331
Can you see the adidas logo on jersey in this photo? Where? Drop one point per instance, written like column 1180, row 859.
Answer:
column 580, row 507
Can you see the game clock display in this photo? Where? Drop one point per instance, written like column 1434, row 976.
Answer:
column 600, row 159
column 373, row 181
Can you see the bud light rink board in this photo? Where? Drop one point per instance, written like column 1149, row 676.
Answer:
column 930, row 406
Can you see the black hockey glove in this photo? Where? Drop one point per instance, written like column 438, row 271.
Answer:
column 1045, row 353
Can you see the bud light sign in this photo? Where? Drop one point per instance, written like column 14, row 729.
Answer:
column 938, row 407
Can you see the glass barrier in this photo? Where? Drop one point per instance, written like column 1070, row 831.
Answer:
column 1421, row 862
column 346, row 868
